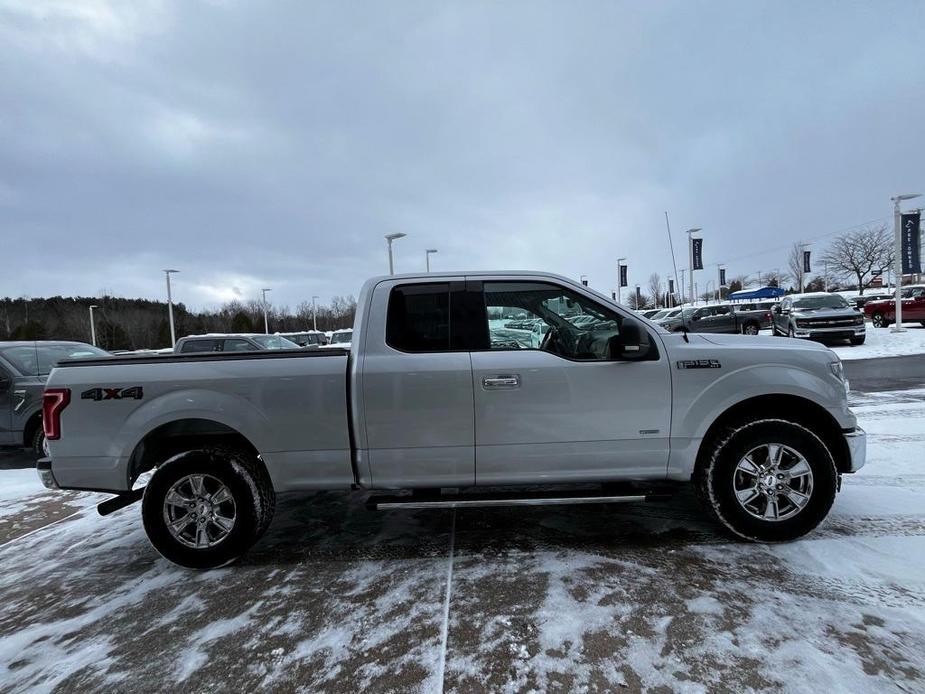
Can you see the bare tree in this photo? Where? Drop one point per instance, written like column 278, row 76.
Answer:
column 637, row 304
column 655, row 289
column 776, row 278
column 857, row 254
column 795, row 263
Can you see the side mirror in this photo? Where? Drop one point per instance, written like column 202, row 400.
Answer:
column 631, row 344
column 777, row 309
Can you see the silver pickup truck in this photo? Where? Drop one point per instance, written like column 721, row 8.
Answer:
column 430, row 408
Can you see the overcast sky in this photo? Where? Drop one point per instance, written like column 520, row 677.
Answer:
column 274, row 144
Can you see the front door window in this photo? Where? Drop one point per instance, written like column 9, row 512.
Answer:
column 535, row 315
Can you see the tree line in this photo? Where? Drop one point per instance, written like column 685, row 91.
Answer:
column 142, row 324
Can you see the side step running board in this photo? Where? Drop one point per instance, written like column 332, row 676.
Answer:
column 415, row 501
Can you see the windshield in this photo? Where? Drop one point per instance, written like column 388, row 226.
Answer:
column 817, row 302
column 38, row 359
column 274, row 342
column 660, row 314
column 341, row 337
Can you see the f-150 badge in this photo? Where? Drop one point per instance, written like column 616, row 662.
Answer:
column 699, row 364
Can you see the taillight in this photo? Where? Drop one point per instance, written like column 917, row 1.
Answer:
column 54, row 400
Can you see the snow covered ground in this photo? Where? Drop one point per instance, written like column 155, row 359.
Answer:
column 633, row 597
column 880, row 342
column 15, row 484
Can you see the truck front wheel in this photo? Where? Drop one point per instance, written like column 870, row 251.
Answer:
column 750, row 329
column 768, row 481
column 205, row 508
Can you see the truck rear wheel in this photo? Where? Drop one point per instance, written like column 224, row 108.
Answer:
column 205, row 508
column 39, row 444
column 750, row 329
column 768, row 481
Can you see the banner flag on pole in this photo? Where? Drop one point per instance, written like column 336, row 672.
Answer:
column 722, row 277
column 613, row 295
column 911, row 245
column 806, row 265
column 698, row 253
column 623, row 276
column 638, row 297
column 671, row 285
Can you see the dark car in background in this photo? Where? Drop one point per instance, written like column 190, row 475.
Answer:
column 720, row 318
column 243, row 342
column 309, row 339
column 860, row 301
column 819, row 315
column 24, row 368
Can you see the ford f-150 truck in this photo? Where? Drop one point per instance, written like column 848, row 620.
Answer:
column 426, row 409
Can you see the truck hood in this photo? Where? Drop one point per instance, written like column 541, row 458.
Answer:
column 760, row 342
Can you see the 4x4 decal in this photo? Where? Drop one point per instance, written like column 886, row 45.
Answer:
column 133, row 393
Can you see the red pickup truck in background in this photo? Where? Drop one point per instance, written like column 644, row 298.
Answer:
column 883, row 313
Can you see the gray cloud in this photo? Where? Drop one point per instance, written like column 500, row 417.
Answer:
column 255, row 145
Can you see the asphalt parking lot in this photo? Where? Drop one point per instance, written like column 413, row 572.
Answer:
column 641, row 597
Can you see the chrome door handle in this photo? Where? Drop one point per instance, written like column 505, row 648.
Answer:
column 501, row 382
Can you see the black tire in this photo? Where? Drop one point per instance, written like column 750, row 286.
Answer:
column 251, row 490
column 791, row 332
column 750, row 329
column 714, row 480
column 38, row 442
column 879, row 320
column 922, row 323
column 858, row 340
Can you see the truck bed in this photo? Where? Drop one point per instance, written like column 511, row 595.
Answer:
column 291, row 405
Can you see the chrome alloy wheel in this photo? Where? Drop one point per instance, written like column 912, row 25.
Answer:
column 773, row 482
column 199, row 511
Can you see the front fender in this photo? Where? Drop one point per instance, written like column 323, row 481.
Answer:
column 706, row 404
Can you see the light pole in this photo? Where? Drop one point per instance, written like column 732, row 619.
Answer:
column 92, row 326
column 427, row 256
column 314, row 314
column 173, row 332
column 690, row 254
column 266, row 323
column 898, row 259
column 707, row 288
column 681, row 288
column 620, row 262
column 390, row 238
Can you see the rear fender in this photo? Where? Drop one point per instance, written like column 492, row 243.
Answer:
column 233, row 411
